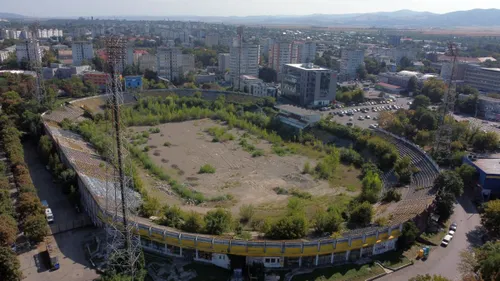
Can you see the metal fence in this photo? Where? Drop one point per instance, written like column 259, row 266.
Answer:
column 75, row 224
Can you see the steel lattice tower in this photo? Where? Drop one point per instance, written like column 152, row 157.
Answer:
column 442, row 144
column 123, row 242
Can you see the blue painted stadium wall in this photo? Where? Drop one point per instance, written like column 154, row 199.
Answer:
column 490, row 182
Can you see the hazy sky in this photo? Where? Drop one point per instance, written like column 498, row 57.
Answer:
column 73, row 8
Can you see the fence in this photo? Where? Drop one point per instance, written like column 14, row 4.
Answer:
column 63, row 227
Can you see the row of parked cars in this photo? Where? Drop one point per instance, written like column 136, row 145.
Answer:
column 385, row 108
column 448, row 237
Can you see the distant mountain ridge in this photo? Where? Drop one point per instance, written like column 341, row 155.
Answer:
column 401, row 18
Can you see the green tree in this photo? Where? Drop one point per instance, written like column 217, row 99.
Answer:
column 217, row 221
column 361, row 72
column 372, row 66
column 268, row 74
column 150, row 207
column 9, row 265
column 35, row 227
column 449, row 182
column 402, row 169
column 444, row 204
column 8, row 230
column 420, row 101
column 289, row 227
column 172, row 216
column 361, row 214
column 412, row 84
column 371, row 187
column 29, row 204
column 488, row 258
column 405, row 63
column 329, row 222
column 246, row 213
column 468, row 174
column 408, row 235
column 434, row 89
column 10, row 102
column 490, row 218
column 485, row 141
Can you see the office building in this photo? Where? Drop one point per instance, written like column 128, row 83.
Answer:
column 482, row 78
column 280, row 53
column 211, row 40
column 29, row 50
column 168, row 64
column 82, row 51
column 308, row 84
column 223, row 60
column 243, row 60
column 350, row 61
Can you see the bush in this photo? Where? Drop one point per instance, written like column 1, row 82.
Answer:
column 289, row 227
column 327, row 222
column 392, row 195
column 167, row 144
column 217, row 221
column 206, row 169
column 372, row 185
column 327, row 166
column 246, row 213
column 154, row 130
column 172, row 216
column 307, row 168
column 257, row 153
column 361, row 214
column 150, row 207
column 193, row 223
column 301, row 194
column 350, row 156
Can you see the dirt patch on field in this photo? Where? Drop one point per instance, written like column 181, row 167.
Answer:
column 182, row 148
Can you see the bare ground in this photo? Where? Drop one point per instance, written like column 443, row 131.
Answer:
column 250, row 180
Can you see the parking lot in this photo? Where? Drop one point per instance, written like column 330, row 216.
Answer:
column 363, row 122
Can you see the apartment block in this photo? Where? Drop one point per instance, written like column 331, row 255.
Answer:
column 280, row 53
column 223, row 60
column 168, row 64
column 29, row 50
column 244, row 60
column 82, row 51
column 350, row 61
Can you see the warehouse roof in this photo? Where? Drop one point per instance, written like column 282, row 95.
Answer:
column 488, row 165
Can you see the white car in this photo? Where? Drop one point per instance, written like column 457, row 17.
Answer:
column 453, row 226
column 451, row 232
column 49, row 215
column 367, row 117
column 446, row 240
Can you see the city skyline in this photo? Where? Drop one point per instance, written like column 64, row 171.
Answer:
column 110, row 8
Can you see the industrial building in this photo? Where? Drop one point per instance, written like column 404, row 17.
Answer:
column 489, row 174
column 489, row 108
column 309, row 85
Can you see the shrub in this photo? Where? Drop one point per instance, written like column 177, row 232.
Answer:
column 289, row 227
column 257, row 153
column 154, row 130
column 145, row 134
column 150, row 207
column 327, row 166
column 301, row 194
column 382, row 221
column 361, row 214
column 327, row 222
column 408, row 235
column 280, row 191
column 246, row 213
column 307, row 168
column 392, row 195
column 172, row 216
column 206, row 169
column 193, row 223
column 167, row 144
column 217, row 221
column 372, row 185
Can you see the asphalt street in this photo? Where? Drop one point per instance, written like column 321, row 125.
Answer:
column 444, row 261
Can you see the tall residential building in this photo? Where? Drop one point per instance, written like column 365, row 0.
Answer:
column 394, row 40
column 211, row 40
column 29, row 50
column 147, row 61
column 308, row 84
column 244, row 60
column 306, row 52
column 186, row 63
column 82, row 51
column 168, row 64
column 223, row 60
column 350, row 61
column 280, row 53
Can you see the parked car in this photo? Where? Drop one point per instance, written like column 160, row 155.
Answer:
column 446, row 240
column 453, row 226
column 349, row 124
column 367, row 117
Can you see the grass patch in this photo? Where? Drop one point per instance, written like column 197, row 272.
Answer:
column 301, row 194
column 258, row 153
column 220, row 134
column 282, row 150
column 349, row 272
column 392, row 259
column 206, row 169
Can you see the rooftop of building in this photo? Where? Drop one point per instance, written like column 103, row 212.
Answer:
column 307, row 66
column 296, row 110
column 490, row 166
column 388, row 86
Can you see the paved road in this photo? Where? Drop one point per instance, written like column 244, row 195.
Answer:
column 74, row 266
column 444, row 261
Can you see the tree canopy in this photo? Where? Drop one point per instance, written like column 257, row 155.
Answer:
column 490, row 218
column 420, row 101
column 434, row 89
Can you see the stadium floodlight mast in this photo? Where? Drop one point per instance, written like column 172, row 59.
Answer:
column 34, row 59
column 444, row 133
column 123, row 242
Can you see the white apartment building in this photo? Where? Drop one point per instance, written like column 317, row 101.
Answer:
column 29, row 50
column 5, row 53
column 168, row 64
column 243, row 60
column 47, row 33
column 211, row 40
column 280, row 53
column 223, row 60
column 186, row 63
column 350, row 61
column 82, row 51
column 147, row 61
